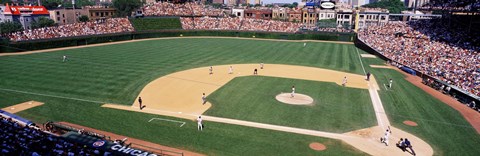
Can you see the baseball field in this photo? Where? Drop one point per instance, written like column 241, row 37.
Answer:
column 174, row 72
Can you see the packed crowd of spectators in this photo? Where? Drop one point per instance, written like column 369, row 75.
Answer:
column 16, row 139
column 105, row 26
column 245, row 24
column 333, row 29
column 448, row 53
column 186, row 9
column 452, row 5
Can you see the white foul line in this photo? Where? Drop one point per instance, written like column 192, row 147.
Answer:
column 385, row 86
column 183, row 123
column 359, row 58
column 56, row 96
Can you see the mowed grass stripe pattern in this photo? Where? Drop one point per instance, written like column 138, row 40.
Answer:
column 252, row 98
column 117, row 73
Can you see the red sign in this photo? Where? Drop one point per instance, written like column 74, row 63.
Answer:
column 18, row 10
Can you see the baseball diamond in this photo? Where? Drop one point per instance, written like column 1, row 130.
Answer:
column 187, row 78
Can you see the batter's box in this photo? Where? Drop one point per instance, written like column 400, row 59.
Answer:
column 163, row 121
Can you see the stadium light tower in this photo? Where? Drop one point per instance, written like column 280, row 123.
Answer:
column 74, row 12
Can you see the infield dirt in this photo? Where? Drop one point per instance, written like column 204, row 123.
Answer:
column 180, row 95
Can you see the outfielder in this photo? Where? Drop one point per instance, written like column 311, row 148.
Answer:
column 390, row 83
column 64, row 58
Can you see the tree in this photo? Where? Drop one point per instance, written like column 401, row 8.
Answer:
column 83, row 18
column 126, row 7
column 43, row 22
column 9, row 27
column 5, row 1
column 295, row 4
column 51, row 4
column 394, row 6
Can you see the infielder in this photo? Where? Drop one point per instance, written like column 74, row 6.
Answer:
column 293, row 92
column 140, row 102
column 211, row 70
column 199, row 123
column 204, row 99
column 390, row 83
column 230, row 70
column 384, row 139
column 344, row 82
column 255, row 71
column 261, row 65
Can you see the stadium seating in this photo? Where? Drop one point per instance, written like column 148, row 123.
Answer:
column 17, row 139
column 449, row 54
column 107, row 26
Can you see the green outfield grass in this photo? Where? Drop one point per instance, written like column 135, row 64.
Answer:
column 441, row 126
column 116, row 74
column 252, row 98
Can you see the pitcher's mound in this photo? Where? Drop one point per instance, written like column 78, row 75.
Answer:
column 410, row 123
column 317, row 146
column 299, row 99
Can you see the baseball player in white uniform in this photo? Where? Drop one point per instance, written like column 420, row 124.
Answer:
column 390, row 83
column 261, row 65
column 64, row 58
column 304, row 44
column 293, row 92
column 199, row 123
column 344, row 82
column 230, row 70
column 384, row 139
column 204, row 99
